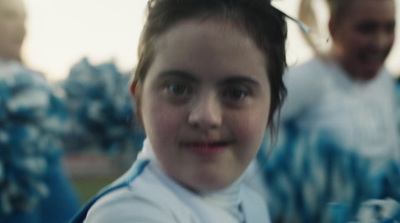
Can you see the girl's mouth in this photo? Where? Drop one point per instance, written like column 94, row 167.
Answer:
column 206, row 148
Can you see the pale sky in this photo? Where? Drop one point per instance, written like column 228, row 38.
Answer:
column 62, row 32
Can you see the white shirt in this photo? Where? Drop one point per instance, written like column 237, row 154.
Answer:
column 360, row 115
column 155, row 197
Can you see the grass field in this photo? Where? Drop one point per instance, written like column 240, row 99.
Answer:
column 89, row 186
column 90, row 172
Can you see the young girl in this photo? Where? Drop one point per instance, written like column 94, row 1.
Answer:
column 207, row 84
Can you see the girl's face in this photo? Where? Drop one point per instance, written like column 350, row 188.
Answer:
column 12, row 28
column 364, row 37
column 205, row 103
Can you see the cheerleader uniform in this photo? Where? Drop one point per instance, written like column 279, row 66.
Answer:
column 337, row 146
column 360, row 115
column 146, row 194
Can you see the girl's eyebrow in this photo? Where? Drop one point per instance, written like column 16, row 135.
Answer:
column 189, row 77
column 179, row 74
column 240, row 79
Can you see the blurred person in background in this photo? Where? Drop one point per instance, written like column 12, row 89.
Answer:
column 33, row 186
column 348, row 91
column 340, row 142
column 13, row 30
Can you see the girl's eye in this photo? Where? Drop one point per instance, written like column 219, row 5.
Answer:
column 178, row 89
column 235, row 94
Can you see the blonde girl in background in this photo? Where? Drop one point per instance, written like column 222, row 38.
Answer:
column 340, row 145
column 348, row 90
column 33, row 185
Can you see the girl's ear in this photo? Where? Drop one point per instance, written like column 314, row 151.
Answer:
column 136, row 90
column 133, row 88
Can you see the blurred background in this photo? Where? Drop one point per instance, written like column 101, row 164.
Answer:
column 89, row 48
column 61, row 32
column 67, row 136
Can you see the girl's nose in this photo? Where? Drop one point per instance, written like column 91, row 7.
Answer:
column 206, row 112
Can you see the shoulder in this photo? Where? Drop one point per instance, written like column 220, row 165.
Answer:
column 383, row 84
column 387, row 77
column 305, row 84
column 144, row 200
column 307, row 78
column 312, row 68
column 126, row 205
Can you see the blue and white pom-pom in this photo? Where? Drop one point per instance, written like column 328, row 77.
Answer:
column 31, row 119
column 371, row 211
column 311, row 179
column 382, row 211
column 99, row 101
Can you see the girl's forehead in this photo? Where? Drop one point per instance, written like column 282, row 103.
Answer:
column 209, row 47
column 362, row 9
column 209, row 22
column 196, row 33
column 202, row 31
column 367, row 8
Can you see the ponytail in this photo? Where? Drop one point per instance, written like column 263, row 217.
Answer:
column 307, row 15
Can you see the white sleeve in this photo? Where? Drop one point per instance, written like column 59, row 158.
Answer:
column 123, row 206
column 304, row 86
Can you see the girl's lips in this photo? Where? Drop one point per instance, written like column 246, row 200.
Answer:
column 206, row 148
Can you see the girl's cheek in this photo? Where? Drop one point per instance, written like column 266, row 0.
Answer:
column 251, row 125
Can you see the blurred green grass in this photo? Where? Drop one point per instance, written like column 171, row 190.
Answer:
column 87, row 187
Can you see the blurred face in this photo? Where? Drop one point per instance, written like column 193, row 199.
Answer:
column 363, row 38
column 205, row 102
column 12, row 28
